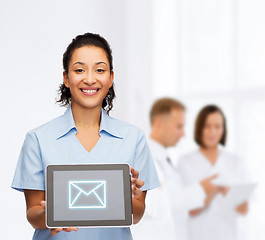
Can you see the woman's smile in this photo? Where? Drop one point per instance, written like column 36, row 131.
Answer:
column 89, row 91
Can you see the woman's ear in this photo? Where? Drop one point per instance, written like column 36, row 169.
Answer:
column 111, row 79
column 65, row 79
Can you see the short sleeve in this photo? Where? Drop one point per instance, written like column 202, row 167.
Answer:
column 144, row 163
column 29, row 172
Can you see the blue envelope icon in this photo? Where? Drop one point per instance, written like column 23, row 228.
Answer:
column 87, row 194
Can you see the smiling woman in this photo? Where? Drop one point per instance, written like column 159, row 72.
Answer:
column 88, row 78
column 88, row 40
column 84, row 134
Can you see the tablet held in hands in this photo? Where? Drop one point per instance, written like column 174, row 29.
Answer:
column 89, row 195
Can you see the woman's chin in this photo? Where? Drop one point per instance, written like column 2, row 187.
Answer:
column 211, row 145
column 88, row 104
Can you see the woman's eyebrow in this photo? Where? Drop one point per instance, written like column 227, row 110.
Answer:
column 97, row 63
column 81, row 63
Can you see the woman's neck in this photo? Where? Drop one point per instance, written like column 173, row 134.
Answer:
column 210, row 153
column 85, row 117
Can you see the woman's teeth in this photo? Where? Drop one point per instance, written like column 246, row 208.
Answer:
column 89, row 91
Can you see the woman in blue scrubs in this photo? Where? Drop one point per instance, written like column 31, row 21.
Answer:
column 84, row 134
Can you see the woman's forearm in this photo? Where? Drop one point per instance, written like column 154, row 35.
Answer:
column 36, row 217
column 207, row 201
column 138, row 210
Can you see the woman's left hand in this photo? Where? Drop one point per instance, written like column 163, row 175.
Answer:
column 136, row 183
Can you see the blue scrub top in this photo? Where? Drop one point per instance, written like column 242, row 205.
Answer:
column 55, row 143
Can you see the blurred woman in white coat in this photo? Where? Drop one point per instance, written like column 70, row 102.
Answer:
column 207, row 223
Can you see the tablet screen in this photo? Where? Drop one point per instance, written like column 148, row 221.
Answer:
column 88, row 195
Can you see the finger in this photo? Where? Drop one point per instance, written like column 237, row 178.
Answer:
column 134, row 180
column 136, row 191
column 70, row 229
column 221, row 189
column 43, row 204
column 134, row 172
column 139, row 183
column 131, row 169
column 55, row 231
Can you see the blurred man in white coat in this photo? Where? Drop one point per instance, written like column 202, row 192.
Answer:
column 167, row 207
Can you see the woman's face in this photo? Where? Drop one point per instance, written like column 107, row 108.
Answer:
column 89, row 77
column 213, row 130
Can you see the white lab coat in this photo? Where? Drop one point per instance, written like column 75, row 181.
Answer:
column 211, row 224
column 167, row 207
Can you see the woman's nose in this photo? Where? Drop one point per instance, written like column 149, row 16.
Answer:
column 89, row 79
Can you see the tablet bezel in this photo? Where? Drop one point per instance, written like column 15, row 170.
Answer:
column 51, row 223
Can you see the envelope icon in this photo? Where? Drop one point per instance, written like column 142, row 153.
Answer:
column 87, row 194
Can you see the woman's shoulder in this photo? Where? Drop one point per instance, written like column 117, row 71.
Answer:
column 229, row 156
column 125, row 129
column 189, row 156
column 49, row 128
column 123, row 124
column 188, row 162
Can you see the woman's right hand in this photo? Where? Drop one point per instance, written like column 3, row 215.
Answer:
column 55, row 231
column 36, row 211
column 211, row 191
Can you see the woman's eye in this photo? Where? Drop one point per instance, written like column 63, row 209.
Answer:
column 79, row 70
column 100, row 70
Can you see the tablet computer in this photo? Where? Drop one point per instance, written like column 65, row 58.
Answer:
column 89, row 195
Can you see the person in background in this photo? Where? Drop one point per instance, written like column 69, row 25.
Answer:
column 167, row 207
column 210, row 131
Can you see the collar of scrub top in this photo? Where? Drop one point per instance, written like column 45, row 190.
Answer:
column 107, row 124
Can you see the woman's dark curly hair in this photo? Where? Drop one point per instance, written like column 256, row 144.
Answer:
column 87, row 39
